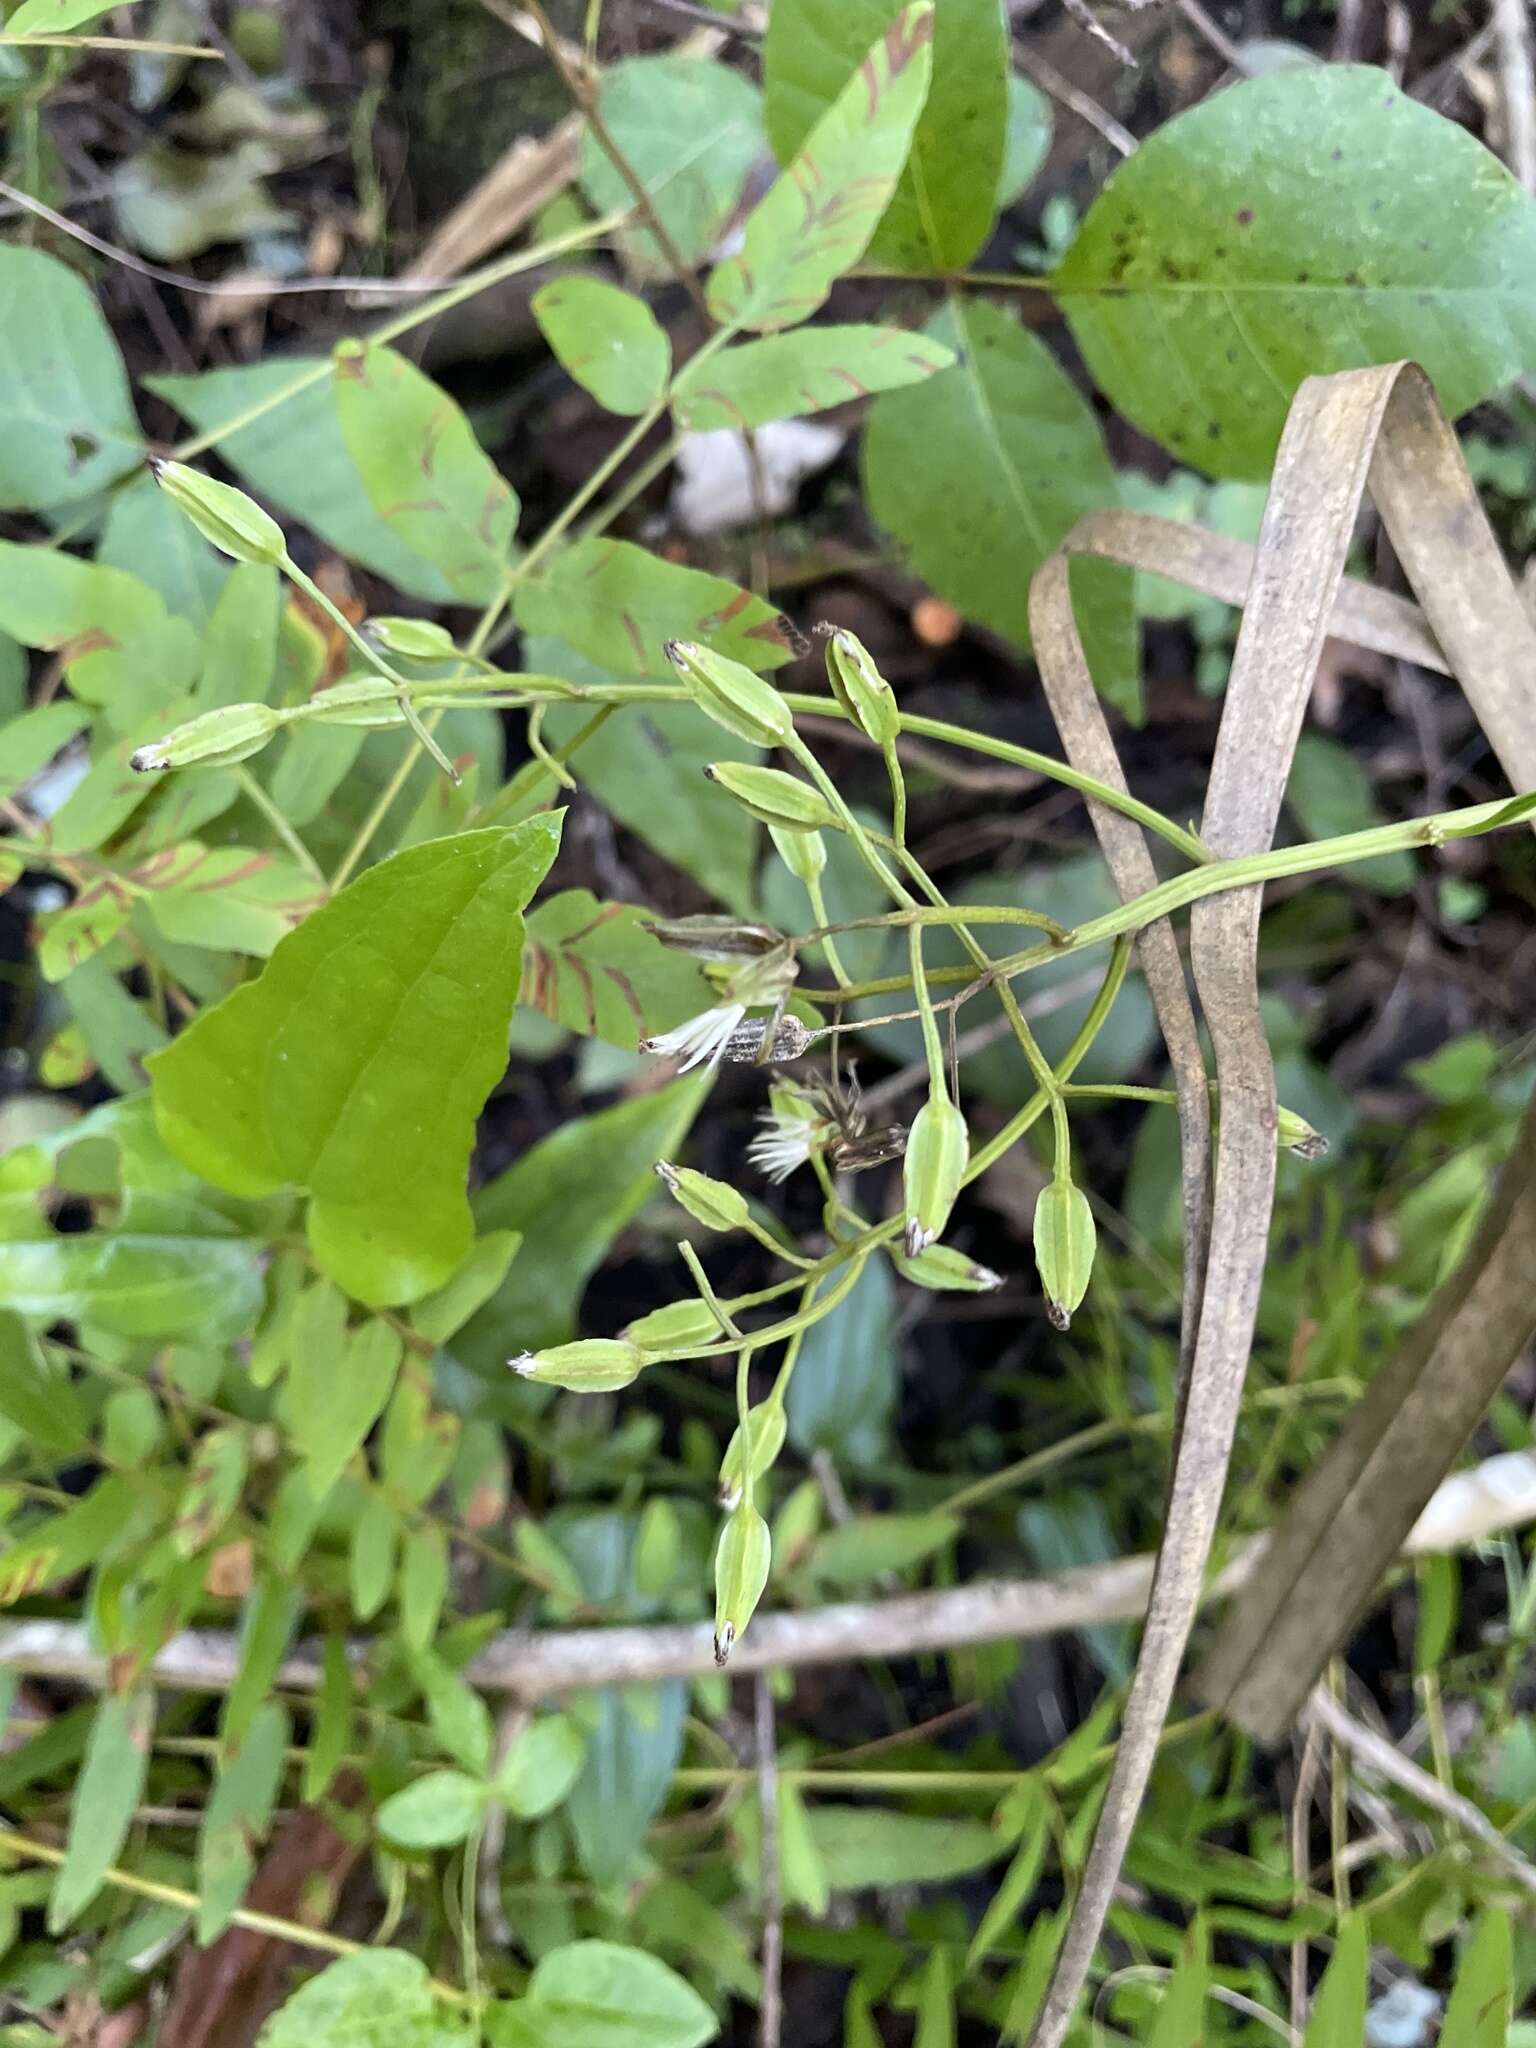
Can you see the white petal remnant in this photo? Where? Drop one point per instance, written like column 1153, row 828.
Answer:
column 792, row 1129
column 701, row 1038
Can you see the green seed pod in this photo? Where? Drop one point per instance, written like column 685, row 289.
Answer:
column 714, row 1203
column 1065, row 1240
column 216, row 739
column 768, row 1426
column 592, row 1365
column 803, row 853
column 234, row 523
column 860, row 688
column 722, row 939
column 937, row 1149
column 780, row 800
column 358, row 700
column 677, row 1327
column 733, row 696
column 741, row 1571
column 944, row 1270
column 1295, row 1134
column 415, row 639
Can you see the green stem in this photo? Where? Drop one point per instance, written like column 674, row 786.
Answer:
column 262, row 799
column 375, row 661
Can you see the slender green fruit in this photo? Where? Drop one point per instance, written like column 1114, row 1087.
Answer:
column 732, row 695
column 714, row 1203
column 944, row 1270
column 234, row 523
column 741, row 1572
column 1065, row 1241
column 782, row 801
column 677, row 1327
column 859, row 686
column 215, row 739
column 769, row 1424
column 414, row 639
column 592, row 1365
column 803, row 853
column 937, row 1149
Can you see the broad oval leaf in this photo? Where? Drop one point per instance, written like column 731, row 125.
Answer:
column 67, row 426
column 355, row 1065
column 1303, row 222
column 618, row 604
column 944, row 205
column 982, row 470
column 541, row 1767
column 433, row 1813
column 785, row 376
column 596, row 969
column 691, row 130
column 599, row 1994
column 607, row 339
column 382, row 1998
column 425, row 474
column 816, row 220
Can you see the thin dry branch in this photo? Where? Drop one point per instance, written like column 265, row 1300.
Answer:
column 533, row 1665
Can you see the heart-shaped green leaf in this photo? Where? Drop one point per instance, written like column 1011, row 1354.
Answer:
column 355, row 1065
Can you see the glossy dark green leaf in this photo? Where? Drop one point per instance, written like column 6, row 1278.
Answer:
column 983, row 469
column 691, row 129
column 619, row 605
column 944, row 205
column 570, row 1196
column 634, row 1741
column 382, row 1998
column 607, row 339
column 354, row 1067
column 110, row 1786
column 784, row 376
column 595, row 968
column 293, row 455
column 67, row 426
column 238, row 1816
column 1307, row 221
column 425, row 474
column 816, row 220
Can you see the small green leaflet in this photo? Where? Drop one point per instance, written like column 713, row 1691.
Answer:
column 331, row 1400
column 355, row 1065
column 67, row 426
column 1338, row 2011
column 1300, row 223
column 619, row 605
column 38, row 1398
column 382, row 1998
column 607, row 339
column 434, row 1812
column 423, row 1584
column 541, row 1767
column 595, row 968
column 599, row 1994
column 816, row 221
column 425, row 474
column 109, row 1788
column 947, row 198
column 238, row 1816
column 1477, row 2012
column 784, row 376
column 981, row 471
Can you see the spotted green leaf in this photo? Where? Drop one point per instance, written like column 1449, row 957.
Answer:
column 355, row 1065
column 425, row 474
column 946, row 200
column 607, row 339
column 784, row 376
column 984, row 468
column 1308, row 221
column 595, row 968
column 618, row 604
column 816, row 221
